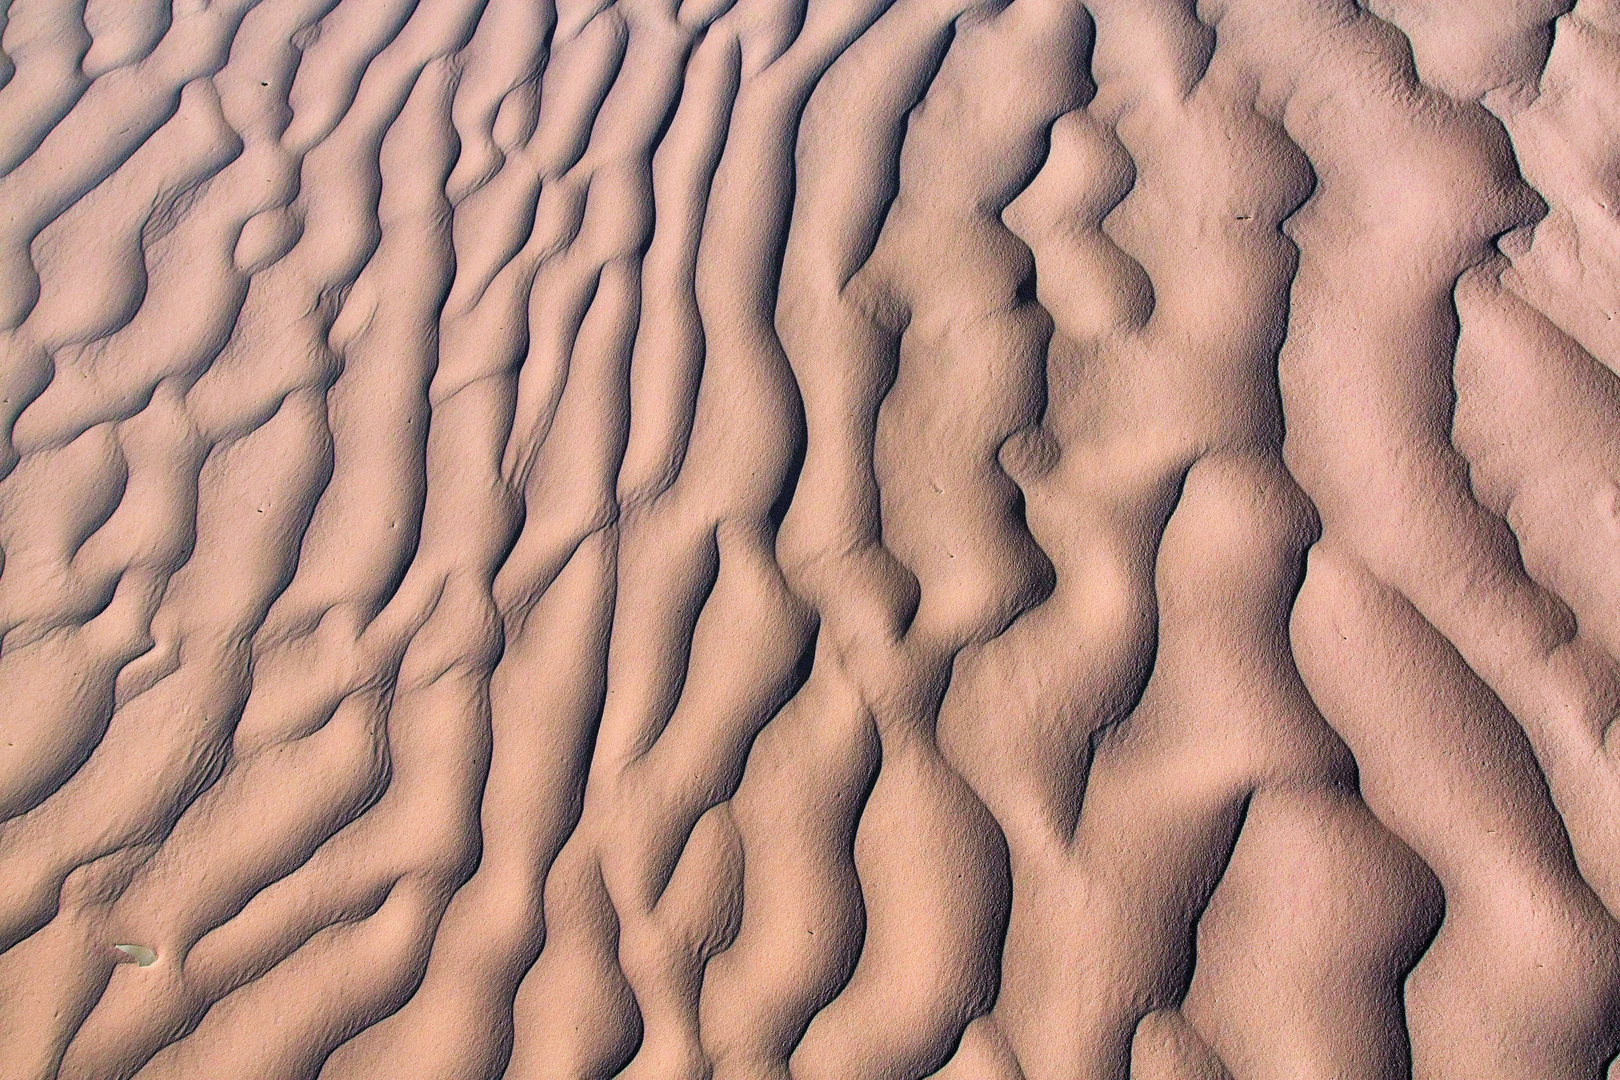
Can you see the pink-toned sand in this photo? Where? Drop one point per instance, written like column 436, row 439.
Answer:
column 809, row 539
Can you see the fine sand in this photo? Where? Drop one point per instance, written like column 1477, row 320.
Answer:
column 809, row 539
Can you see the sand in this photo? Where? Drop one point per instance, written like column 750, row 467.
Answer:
column 825, row 540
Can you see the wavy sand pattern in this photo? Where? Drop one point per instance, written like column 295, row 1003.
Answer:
column 815, row 539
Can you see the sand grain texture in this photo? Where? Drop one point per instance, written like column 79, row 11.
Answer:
column 825, row 540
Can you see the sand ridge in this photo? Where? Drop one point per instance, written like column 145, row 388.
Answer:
column 831, row 540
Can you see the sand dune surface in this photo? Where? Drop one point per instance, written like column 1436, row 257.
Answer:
column 809, row 539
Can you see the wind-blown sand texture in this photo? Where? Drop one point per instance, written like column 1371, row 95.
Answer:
column 832, row 540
